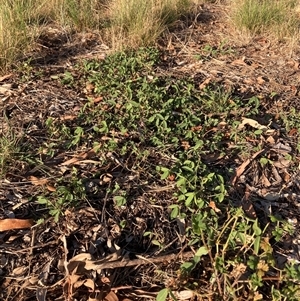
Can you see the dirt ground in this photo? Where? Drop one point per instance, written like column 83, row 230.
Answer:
column 206, row 49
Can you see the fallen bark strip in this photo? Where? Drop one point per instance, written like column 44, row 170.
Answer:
column 141, row 260
column 239, row 171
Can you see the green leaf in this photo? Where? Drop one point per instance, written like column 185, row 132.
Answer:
column 174, row 212
column 162, row 295
column 256, row 228
column 201, row 251
column 264, row 161
column 123, row 224
column 181, row 182
column 187, row 168
column 256, row 244
column 120, row 200
column 221, row 197
column 165, row 173
column 187, row 265
column 190, row 197
column 196, row 259
column 40, row 221
column 156, row 242
column 54, row 212
column 42, row 200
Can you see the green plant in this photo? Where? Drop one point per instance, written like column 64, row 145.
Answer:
column 161, row 143
column 209, row 51
column 65, row 195
column 281, row 227
column 68, row 78
column 8, row 148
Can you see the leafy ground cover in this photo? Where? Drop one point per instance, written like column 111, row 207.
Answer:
column 167, row 173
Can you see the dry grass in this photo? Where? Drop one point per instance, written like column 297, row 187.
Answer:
column 14, row 34
column 138, row 22
column 125, row 23
column 130, row 23
column 278, row 18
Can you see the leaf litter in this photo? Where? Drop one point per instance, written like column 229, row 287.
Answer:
column 86, row 255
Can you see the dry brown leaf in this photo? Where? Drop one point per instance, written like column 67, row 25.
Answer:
column 222, row 125
column 36, row 181
column 70, row 284
column 282, row 163
column 97, row 99
column 82, row 156
column 13, row 224
column 213, row 206
column 270, row 140
column 97, row 298
column 248, row 206
column 51, row 188
column 212, row 157
column 205, row 83
column 261, row 80
column 81, row 257
column 71, row 161
column 294, row 90
column 105, row 280
column 293, row 132
column 111, row 296
column 239, row 62
column 248, row 81
column 89, row 162
column 89, row 88
column 239, row 171
column 184, row 295
column 77, row 264
column 265, row 181
column 4, row 77
column 293, row 64
column 73, row 279
column 286, row 177
column 68, row 117
column 19, row 271
column 238, row 270
column 257, row 296
column 253, row 123
column 185, row 145
column 196, row 128
column 78, row 283
column 5, row 88
column 90, row 284
column 171, row 177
